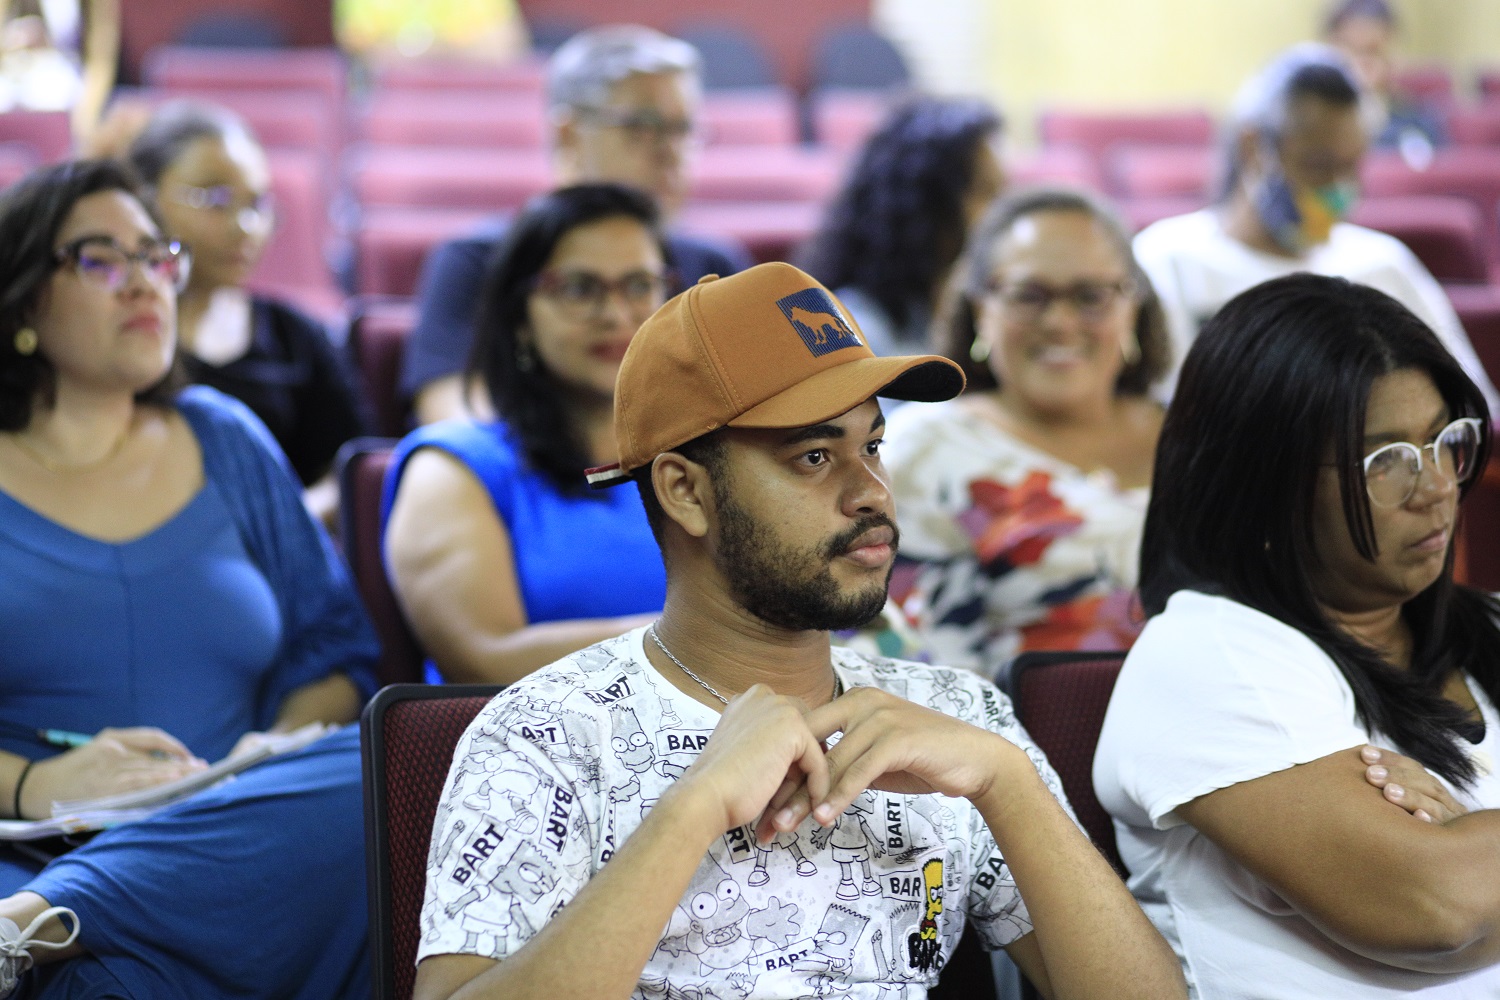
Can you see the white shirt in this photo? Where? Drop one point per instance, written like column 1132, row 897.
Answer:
column 1196, row 267
column 1213, row 694
column 559, row 769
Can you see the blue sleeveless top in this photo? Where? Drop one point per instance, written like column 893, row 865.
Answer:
column 576, row 556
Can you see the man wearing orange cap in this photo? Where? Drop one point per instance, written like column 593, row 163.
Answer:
column 722, row 804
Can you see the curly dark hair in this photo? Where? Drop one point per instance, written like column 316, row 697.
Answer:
column 32, row 212
column 529, row 398
column 956, row 323
column 897, row 225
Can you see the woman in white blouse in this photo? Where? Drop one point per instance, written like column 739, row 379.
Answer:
column 1297, row 567
column 1021, row 502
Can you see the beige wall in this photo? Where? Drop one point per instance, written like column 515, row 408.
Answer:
column 1143, row 53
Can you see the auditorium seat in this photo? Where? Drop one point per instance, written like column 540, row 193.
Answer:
column 16, row 161
column 766, row 173
column 47, row 134
column 1479, row 530
column 476, row 179
column 1475, row 126
column 1478, row 308
column 1471, row 172
column 1488, row 82
column 769, row 230
column 455, row 118
column 295, row 264
column 378, row 328
column 1446, row 233
column 1139, row 213
column 282, row 120
column 1164, row 171
column 753, row 116
column 1429, row 83
column 391, row 243
column 182, row 67
column 1055, row 165
column 844, row 118
column 523, row 76
column 1100, row 132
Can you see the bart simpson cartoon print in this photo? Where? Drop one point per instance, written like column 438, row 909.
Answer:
column 923, row 948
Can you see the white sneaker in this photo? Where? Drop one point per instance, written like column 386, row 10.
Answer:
column 16, row 946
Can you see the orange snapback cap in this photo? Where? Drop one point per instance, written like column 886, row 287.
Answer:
column 767, row 347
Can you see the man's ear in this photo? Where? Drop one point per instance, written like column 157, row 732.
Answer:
column 685, row 492
column 562, row 125
column 1250, row 147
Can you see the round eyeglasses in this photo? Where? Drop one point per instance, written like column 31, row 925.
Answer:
column 101, row 261
column 582, row 294
column 1392, row 471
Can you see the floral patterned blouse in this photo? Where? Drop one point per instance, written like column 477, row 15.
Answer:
column 1005, row 548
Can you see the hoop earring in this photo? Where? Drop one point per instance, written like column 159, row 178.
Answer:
column 26, row 341
column 979, row 350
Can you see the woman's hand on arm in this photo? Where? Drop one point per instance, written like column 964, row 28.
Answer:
column 332, row 701
column 114, row 761
column 1364, row 870
column 453, row 570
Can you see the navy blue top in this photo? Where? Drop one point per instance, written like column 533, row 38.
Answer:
column 587, row 555
column 453, row 280
column 201, row 626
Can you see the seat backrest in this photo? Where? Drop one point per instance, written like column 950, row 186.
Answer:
column 378, row 331
column 732, row 57
column 1446, row 233
column 1061, row 698
column 362, row 465
column 856, row 55
column 407, row 736
column 1098, row 132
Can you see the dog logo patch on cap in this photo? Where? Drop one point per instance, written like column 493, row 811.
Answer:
column 817, row 321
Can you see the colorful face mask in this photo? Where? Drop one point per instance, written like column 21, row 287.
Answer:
column 1300, row 217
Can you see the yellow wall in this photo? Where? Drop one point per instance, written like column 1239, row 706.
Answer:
column 1143, row 53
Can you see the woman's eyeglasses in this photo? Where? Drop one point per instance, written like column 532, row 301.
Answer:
column 582, row 294
column 1028, row 301
column 103, row 262
column 255, row 212
column 1392, row 471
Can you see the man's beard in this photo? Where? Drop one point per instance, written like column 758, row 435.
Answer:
column 791, row 588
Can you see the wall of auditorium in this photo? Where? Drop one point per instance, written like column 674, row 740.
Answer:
column 1105, row 53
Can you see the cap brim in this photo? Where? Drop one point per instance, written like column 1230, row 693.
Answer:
column 921, row 378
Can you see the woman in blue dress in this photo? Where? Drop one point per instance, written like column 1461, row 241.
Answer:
column 162, row 576
column 502, row 557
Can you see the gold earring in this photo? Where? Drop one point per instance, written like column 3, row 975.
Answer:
column 979, row 350
column 26, row 341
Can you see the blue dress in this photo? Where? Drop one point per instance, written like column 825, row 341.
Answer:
column 200, row 627
column 577, row 555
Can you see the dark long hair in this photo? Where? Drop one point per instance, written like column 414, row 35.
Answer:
column 897, row 225
column 32, row 212
column 528, row 396
column 1281, row 374
column 956, row 324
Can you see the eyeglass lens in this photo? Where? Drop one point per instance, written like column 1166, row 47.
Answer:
column 586, row 292
column 1090, row 299
column 1392, row 472
column 106, row 263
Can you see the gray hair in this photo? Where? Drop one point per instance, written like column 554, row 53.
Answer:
column 1263, row 104
column 584, row 69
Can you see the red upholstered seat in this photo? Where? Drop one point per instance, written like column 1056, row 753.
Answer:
column 1098, row 133
column 183, row 67
column 1478, row 308
column 1164, row 171
column 1489, row 85
column 47, row 134
column 770, row 230
column 16, row 161
column 766, row 173
column 472, row 118
column 1431, row 83
column 1475, row 126
column 1061, row 698
column 1055, row 165
column 407, row 736
column 294, row 265
column 392, row 242
column 844, row 118
column 1471, row 172
column 1446, row 233
column 753, row 116
column 1139, row 213
column 293, row 119
column 378, row 330
column 362, row 465
column 524, row 76
column 478, row 179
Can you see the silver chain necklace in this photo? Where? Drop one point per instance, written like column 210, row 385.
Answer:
column 838, row 684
